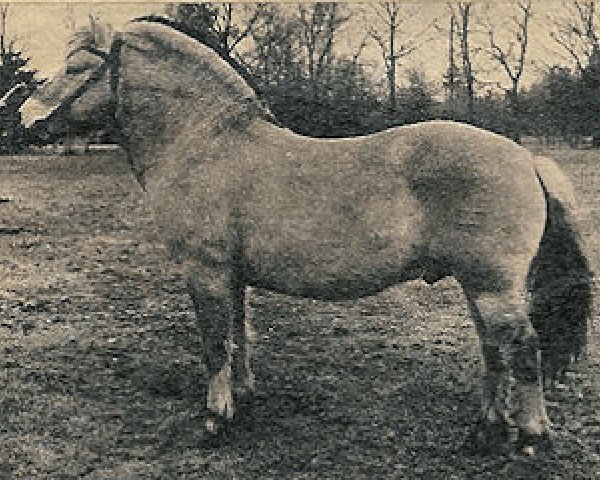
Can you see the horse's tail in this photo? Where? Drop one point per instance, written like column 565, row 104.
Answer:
column 560, row 279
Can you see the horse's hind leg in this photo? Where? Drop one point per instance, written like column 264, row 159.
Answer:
column 513, row 402
column 494, row 410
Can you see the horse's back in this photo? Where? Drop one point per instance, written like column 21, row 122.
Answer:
column 328, row 218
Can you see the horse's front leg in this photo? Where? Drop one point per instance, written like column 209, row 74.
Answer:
column 216, row 301
column 243, row 378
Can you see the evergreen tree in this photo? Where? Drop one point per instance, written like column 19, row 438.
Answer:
column 415, row 101
column 14, row 72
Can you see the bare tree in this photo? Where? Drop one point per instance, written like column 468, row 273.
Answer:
column 511, row 57
column 452, row 76
column 390, row 18
column 222, row 25
column 462, row 13
column 359, row 50
column 3, row 34
column 318, row 24
column 575, row 31
column 460, row 81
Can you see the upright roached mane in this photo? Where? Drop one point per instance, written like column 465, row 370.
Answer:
column 252, row 204
column 258, row 107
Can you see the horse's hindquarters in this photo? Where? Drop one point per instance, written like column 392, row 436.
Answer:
column 486, row 216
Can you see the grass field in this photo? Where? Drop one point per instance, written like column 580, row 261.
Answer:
column 101, row 378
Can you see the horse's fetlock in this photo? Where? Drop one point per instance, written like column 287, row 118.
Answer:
column 220, row 393
column 230, row 346
column 526, row 360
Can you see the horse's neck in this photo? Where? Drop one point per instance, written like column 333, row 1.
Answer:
column 152, row 121
column 182, row 127
column 176, row 99
column 172, row 91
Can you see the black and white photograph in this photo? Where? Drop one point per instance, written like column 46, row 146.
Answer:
column 300, row 240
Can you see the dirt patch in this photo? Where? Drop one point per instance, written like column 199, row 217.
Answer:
column 101, row 378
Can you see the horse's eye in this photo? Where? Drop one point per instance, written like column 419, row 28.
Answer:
column 75, row 70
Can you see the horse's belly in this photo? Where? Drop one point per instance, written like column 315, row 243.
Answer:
column 322, row 255
column 320, row 276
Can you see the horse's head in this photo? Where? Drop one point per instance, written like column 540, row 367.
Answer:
column 159, row 87
column 79, row 99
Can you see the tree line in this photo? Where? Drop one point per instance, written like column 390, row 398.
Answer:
column 315, row 88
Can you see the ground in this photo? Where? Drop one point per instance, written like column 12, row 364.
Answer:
column 101, row 377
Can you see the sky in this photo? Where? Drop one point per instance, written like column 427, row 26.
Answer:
column 42, row 31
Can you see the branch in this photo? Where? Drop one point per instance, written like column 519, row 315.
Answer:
column 523, row 35
column 416, row 43
column 331, row 27
column 249, row 27
column 504, row 56
column 570, row 50
column 498, row 54
column 381, row 14
column 582, row 11
column 374, row 34
column 360, row 48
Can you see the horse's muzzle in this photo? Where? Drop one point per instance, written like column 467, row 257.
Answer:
column 34, row 111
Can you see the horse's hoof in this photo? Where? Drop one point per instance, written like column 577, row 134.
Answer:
column 490, row 438
column 528, row 450
column 213, row 426
column 529, row 445
column 486, row 438
column 215, row 429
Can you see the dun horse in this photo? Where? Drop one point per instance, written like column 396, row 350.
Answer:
column 242, row 202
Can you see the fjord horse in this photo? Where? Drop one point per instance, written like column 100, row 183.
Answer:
column 242, row 202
